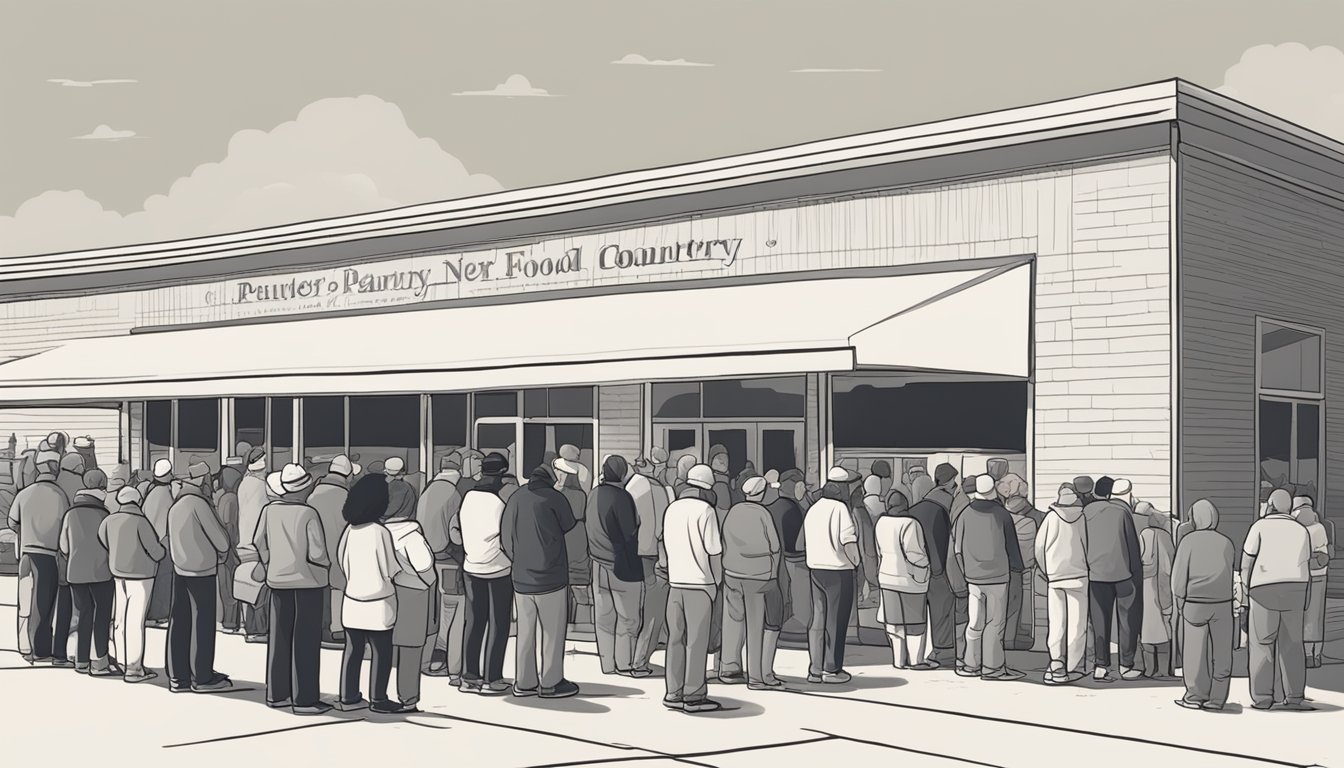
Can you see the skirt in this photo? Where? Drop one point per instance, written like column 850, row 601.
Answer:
column 1314, row 629
column 905, row 610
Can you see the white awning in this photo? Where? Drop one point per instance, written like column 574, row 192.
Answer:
column 973, row 321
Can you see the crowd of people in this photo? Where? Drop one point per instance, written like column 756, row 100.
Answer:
column 684, row 557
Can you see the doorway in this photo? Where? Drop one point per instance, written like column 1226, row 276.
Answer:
column 766, row 445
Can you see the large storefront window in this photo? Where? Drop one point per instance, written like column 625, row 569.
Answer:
column 323, row 431
column 449, row 425
column 1290, row 413
column 198, row 432
column 249, row 425
column 282, row 431
column 384, row 426
column 917, row 415
column 158, row 431
column 756, row 421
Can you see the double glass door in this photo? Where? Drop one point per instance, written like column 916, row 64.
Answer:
column 528, row 443
column 766, row 445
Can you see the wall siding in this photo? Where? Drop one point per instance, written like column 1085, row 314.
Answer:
column 620, row 417
column 1249, row 246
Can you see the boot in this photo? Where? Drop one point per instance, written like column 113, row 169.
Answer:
column 768, row 649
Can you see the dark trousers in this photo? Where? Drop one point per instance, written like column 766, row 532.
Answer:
column 191, row 630
column 1125, row 599
column 257, row 618
column 294, row 650
column 489, row 602
column 229, row 608
column 161, row 598
column 65, row 615
column 94, row 603
column 832, row 601
column 942, row 617
column 46, row 584
column 353, row 661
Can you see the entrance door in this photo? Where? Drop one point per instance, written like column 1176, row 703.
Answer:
column 781, row 447
column 541, row 439
column 680, row 440
column 739, row 441
column 500, row 435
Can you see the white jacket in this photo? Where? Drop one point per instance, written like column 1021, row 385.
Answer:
column 413, row 555
column 479, row 518
column 903, row 563
column 1061, row 544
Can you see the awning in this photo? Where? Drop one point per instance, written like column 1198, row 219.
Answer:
column 973, row 321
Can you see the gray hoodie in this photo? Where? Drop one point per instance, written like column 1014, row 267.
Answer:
column 1202, row 572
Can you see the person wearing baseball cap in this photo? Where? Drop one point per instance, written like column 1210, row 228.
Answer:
column 197, row 542
column 832, row 546
column 985, row 546
column 158, row 500
column 488, row 584
column 253, row 496
column 134, row 552
column 328, row 498
column 694, row 548
column 753, row 603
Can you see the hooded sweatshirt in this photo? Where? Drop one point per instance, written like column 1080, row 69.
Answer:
column 1112, row 542
column 985, row 542
column 86, row 557
column 613, row 523
column 438, row 504
column 1202, row 571
column 751, row 548
column 532, row 534
column 133, row 548
column 903, row 558
column 158, row 500
column 1061, row 545
column 37, row 513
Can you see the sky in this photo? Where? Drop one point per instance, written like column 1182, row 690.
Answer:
column 128, row 122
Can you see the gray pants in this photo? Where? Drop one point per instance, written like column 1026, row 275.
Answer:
column 655, row 614
column 986, row 613
column 688, row 616
column 1276, row 647
column 452, row 619
column 1207, row 667
column 409, row 661
column 617, row 620
column 541, row 628
column 744, row 626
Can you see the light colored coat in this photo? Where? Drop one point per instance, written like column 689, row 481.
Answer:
column 903, row 562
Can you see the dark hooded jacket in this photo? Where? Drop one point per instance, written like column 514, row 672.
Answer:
column 936, row 523
column 1113, row 553
column 532, row 535
column 1202, row 571
column 612, row 522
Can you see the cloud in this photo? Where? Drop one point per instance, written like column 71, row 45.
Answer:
column 823, row 70
column 515, row 86
column 106, row 133
column 1300, row 84
column 638, row 60
column 339, row 156
column 87, row 83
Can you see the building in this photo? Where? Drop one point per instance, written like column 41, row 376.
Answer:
column 1141, row 283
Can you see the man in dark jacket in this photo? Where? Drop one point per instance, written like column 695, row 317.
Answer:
column 532, row 535
column 936, row 524
column 90, row 577
column 618, row 574
column 985, row 544
column 197, row 542
column 37, row 513
column 1115, row 580
column 1201, row 583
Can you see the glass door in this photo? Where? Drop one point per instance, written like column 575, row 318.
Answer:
column 679, row 440
column 738, row 439
column 781, row 447
column 500, row 435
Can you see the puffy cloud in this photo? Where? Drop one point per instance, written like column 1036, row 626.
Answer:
column 1300, row 84
column 87, row 83
column 830, row 71
column 106, row 133
column 339, row 156
column 638, row 60
column 515, row 86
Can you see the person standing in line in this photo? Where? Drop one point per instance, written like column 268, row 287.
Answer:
column 794, row 583
column 984, row 541
column 753, row 605
column 158, row 500
column 438, row 505
column 36, row 514
column 90, row 577
column 226, row 506
column 1020, row 631
column 651, row 500
column 618, row 574
column 369, row 562
column 870, row 507
column 719, row 462
column 293, row 549
column 1276, row 573
column 568, row 478
column 1061, row 551
column 71, row 477
column 532, row 536
column 832, row 547
column 416, row 585
column 1084, row 486
column 694, row 547
column 1314, row 628
column 1155, row 632
column 134, row 551
column 328, row 499
column 489, row 588
column 1115, row 580
column 196, row 543
column 677, row 481
column 252, row 497
column 1202, row 586
column 903, row 573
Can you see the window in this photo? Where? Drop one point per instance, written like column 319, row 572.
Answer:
column 557, row 402
column 1290, row 412
column 676, row 400
column 198, row 432
column 448, row 425
column 493, row 404
column 383, row 426
column 930, row 415
column 158, row 430
column 542, row 441
column 323, row 430
column 282, row 431
column 249, row 425
column 774, row 398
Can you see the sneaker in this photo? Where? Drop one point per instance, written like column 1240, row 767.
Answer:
column 524, row 693
column 562, row 690
column 156, row 624
column 1003, row 674
column 965, row 671
column 701, row 705
column 139, row 675
column 1296, row 706
column 388, row 707
column 455, row 680
column 814, row 679
column 766, row 685
column 82, row 667
column 281, row 704
column 179, row 687
column 470, row 686
column 439, row 670
column 1262, row 705
column 62, row 664
column 1131, row 674
column 639, row 672
column 254, row 639
column 672, row 703
column 109, row 670
column 320, row 708
column 1102, row 675
column 353, row 706
column 1210, row 706
column 923, row 666
column 836, row 678
column 1189, row 704
column 732, row 678
column 497, row 688
column 217, row 683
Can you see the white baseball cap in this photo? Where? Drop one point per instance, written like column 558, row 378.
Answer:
column 343, row 466
column 394, row 467
column 163, row 469
column 294, row 478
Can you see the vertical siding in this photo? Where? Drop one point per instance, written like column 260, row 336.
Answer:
column 1249, row 246
column 619, row 420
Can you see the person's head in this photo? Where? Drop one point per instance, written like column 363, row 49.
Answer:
column 198, row 474
column 984, row 488
column 229, row 479
column 920, row 487
column 658, row 456
column 1011, row 486
column 295, row 482
column 73, row 463
column 1204, row 515
column 129, row 497
column 841, row 476
column 897, row 504
column 256, row 460
column 1104, row 487
column 367, row 501
column 494, row 465
column 1083, row 485
column 342, row 466
column 56, row 442
column 1280, row 502
column 944, row 475
column 1304, row 511
column 718, row 459
column 95, row 480
column 996, row 468
column 451, row 462
column 968, row 484
column 1121, row 488
column 772, row 487
column 545, row 475
column 754, row 488
column 872, row 485
column 700, row 476
column 400, row 502
column 394, row 467
column 882, row 469
column 471, row 464
column 835, row 492
column 684, row 464
column 614, row 469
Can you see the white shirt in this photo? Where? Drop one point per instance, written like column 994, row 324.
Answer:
column 479, row 518
column 691, row 538
column 903, row 564
column 827, row 528
column 1281, row 547
column 369, row 561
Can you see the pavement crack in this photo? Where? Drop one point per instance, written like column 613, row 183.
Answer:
column 255, row 734
column 911, row 750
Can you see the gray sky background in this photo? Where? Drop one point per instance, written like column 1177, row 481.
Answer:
column 250, row 113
